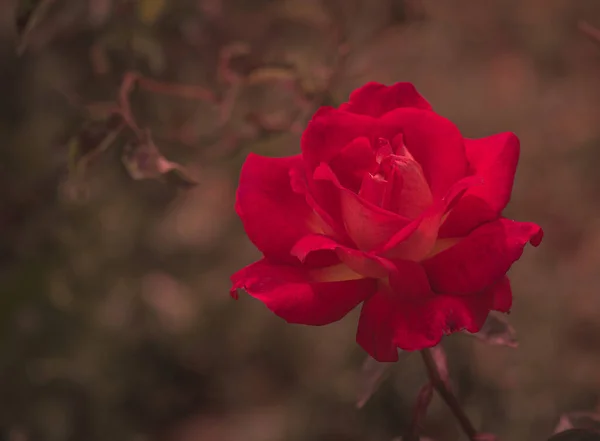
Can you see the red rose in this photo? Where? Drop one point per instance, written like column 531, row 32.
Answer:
column 388, row 206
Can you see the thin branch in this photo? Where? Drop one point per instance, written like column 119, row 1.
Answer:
column 180, row 90
column 124, row 105
column 103, row 146
column 36, row 16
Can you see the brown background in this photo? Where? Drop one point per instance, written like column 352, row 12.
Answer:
column 116, row 322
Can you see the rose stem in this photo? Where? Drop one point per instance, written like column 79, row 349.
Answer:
column 419, row 411
column 447, row 395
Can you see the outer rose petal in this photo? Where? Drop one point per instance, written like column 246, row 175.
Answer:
column 266, row 205
column 381, row 313
column 375, row 99
column 289, row 293
column 330, row 130
column 389, row 321
column 502, row 295
column 494, row 159
column 434, row 142
column 481, row 258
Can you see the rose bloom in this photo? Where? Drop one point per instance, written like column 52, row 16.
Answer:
column 387, row 206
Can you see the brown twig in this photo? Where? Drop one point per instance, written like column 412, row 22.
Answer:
column 36, row 16
column 124, row 108
column 106, row 142
column 447, row 395
column 180, row 90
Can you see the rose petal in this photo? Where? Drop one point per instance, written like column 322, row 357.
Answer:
column 367, row 225
column 266, row 204
column 389, row 321
column 434, row 142
column 381, row 312
column 289, row 292
column 502, row 295
column 481, row 258
column 330, row 130
column 354, row 161
column 375, row 99
column 494, row 159
column 358, row 261
column 409, row 192
column 417, row 240
column 373, row 189
column 329, row 221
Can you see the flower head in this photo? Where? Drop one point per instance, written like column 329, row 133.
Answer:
column 387, row 206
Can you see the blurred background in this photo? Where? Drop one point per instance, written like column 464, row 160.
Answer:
column 124, row 125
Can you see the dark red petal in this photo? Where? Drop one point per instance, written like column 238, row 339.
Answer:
column 502, row 295
column 494, row 159
column 389, row 321
column 274, row 216
column 375, row 332
column 289, row 293
column 482, row 258
column 354, row 161
column 435, row 143
column 375, row 99
column 393, row 303
column 367, row 225
column 330, row 130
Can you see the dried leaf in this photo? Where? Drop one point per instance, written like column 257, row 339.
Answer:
column 579, row 420
column 497, row 331
column 144, row 161
column 439, row 357
column 372, row 375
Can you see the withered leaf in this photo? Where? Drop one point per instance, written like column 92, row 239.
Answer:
column 143, row 160
column 579, row 420
column 439, row 357
column 372, row 375
column 497, row 331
